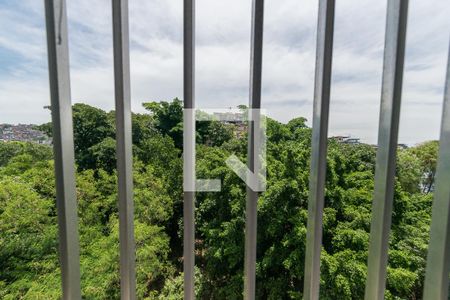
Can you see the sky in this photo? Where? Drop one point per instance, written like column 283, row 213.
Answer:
column 222, row 60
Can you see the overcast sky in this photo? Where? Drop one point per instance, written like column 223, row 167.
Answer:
column 222, row 54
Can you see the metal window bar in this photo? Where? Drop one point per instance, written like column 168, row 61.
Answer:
column 438, row 260
column 254, row 103
column 394, row 55
column 324, row 53
column 124, row 148
column 63, row 145
column 189, row 148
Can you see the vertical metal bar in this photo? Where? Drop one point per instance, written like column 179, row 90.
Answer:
column 324, row 54
column 61, row 107
column 189, row 147
column 394, row 54
column 438, row 260
column 254, row 103
column 124, row 148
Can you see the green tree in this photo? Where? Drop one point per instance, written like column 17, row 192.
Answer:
column 36, row 151
column 46, row 128
column 28, row 231
column 409, row 171
column 103, row 155
column 427, row 155
column 28, row 248
column 90, row 126
column 168, row 118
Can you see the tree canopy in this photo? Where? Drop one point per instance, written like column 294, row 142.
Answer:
column 29, row 267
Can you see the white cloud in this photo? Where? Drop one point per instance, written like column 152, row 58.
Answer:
column 223, row 45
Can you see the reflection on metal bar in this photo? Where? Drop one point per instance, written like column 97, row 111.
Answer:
column 189, row 144
column 394, row 54
column 124, row 148
column 438, row 260
column 324, row 53
column 254, row 103
column 61, row 107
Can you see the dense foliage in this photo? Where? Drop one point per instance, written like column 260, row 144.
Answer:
column 29, row 266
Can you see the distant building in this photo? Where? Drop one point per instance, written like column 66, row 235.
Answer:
column 237, row 120
column 356, row 141
column 352, row 141
column 230, row 117
column 23, row 133
column 346, row 139
column 340, row 138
